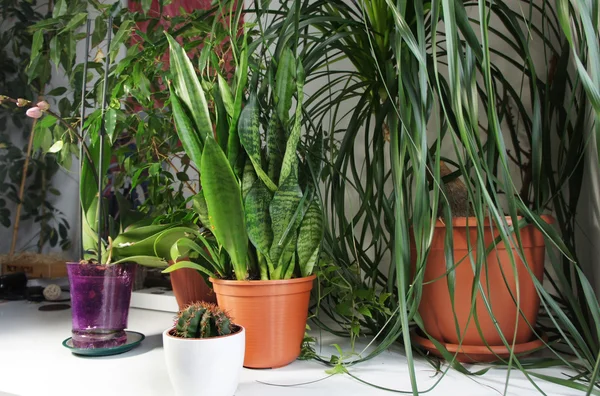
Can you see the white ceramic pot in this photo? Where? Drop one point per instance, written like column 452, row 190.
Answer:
column 205, row 366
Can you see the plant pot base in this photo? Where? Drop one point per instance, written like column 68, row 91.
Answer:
column 479, row 353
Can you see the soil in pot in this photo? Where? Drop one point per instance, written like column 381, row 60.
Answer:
column 100, row 297
column 274, row 314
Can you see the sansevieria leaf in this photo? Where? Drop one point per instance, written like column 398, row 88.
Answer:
column 199, row 205
column 282, row 209
column 284, row 84
column 258, row 219
column 188, row 89
column 224, row 202
column 190, row 139
column 290, row 157
column 309, row 238
column 250, row 138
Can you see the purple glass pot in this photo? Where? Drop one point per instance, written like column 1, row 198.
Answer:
column 100, row 297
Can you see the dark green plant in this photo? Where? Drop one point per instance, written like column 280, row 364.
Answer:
column 203, row 320
column 258, row 198
column 38, row 192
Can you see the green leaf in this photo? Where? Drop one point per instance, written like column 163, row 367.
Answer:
column 122, row 34
column 36, row 45
column 74, row 22
column 224, row 202
column 258, row 220
column 146, row 4
column 100, row 30
column 250, row 139
column 310, row 236
column 60, row 9
column 282, row 209
column 146, row 261
column 290, row 157
column 284, row 85
column 55, row 57
column 56, row 147
column 226, row 96
column 188, row 89
column 190, row 139
column 110, row 122
column 199, row 205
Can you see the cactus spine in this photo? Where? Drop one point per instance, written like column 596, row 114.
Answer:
column 202, row 320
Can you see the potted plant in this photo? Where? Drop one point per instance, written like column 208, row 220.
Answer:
column 261, row 212
column 475, row 313
column 204, row 351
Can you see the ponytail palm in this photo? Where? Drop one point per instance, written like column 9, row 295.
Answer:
column 449, row 93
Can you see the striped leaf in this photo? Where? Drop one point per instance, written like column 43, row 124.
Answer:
column 190, row 140
column 258, row 220
column 275, row 148
column 249, row 133
column 310, row 236
column 224, row 202
column 188, row 89
column 199, row 205
column 248, row 178
column 282, row 209
column 284, row 85
column 290, row 158
column 233, row 147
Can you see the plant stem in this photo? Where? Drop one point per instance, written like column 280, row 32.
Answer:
column 22, row 191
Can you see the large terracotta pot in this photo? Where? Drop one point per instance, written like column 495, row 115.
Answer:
column 189, row 286
column 499, row 280
column 273, row 312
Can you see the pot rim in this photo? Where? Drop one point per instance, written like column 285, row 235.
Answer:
column 472, row 221
column 239, row 331
column 229, row 282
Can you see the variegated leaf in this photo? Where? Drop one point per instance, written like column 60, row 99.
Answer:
column 249, row 133
column 283, row 208
column 258, row 220
column 290, row 157
column 310, row 237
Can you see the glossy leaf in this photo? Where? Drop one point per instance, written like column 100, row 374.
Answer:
column 188, row 89
column 192, row 142
column 224, row 202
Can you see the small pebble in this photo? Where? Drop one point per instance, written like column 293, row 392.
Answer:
column 52, row 292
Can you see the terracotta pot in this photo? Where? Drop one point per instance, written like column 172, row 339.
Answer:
column 189, row 286
column 273, row 313
column 435, row 307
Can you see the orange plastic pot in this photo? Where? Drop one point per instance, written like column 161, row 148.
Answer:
column 273, row 312
column 189, row 287
column 500, row 281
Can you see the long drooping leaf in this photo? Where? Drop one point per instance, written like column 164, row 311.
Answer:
column 310, row 236
column 250, row 139
column 225, row 208
column 188, row 89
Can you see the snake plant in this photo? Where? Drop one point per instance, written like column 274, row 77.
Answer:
column 258, row 202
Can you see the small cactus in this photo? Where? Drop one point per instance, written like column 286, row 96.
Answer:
column 202, row 320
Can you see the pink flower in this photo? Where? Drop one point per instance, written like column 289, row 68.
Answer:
column 34, row 112
column 43, row 105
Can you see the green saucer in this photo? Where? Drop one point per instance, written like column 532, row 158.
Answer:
column 133, row 339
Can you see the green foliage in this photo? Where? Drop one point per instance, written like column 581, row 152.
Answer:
column 16, row 43
column 203, row 320
column 279, row 217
